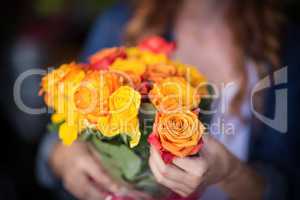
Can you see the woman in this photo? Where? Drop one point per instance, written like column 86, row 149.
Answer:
column 241, row 41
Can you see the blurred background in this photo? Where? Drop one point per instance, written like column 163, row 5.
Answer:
column 40, row 34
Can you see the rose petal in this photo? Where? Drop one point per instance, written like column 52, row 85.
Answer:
column 145, row 87
column 157, row 44
column 196, row 111
column 102, row 64
column 198, row 147
column 154, row 140
column 103, row 59
column 167, row 157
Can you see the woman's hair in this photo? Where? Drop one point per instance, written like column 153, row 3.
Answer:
column 255, row 25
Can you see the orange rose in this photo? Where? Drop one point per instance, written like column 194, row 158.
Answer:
column 177, row 133
column 59, row 75
column 91, row 98
column 158, row 73
column 59, row 84
column 193, row 76
column 134, row 80
column 173, row 94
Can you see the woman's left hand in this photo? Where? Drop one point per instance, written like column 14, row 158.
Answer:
column 186, row 175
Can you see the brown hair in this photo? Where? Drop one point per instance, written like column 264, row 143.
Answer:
column 255, row 24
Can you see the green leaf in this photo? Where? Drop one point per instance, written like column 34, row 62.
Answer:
column 54, row 127
column 149, row 184
column 111, row 166
column 130, row 162
column 85, row 135
column 124, row 138
column 121, row 156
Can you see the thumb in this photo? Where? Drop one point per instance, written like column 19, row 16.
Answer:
column 211, row 145
column 207, row 139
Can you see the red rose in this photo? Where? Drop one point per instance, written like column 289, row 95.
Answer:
column 104, row 58
column 157, row 44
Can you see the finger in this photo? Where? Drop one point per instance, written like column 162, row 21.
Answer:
column 101, row 178
column 210, row 145
column 157, row 158
column 92, row 193
column 81, row 187
column 171, row 172
column 195, row 166
column 134, row 194
column 164, row 181
column 207, row 138
column 173, row 185
column 182, row 194
column 72, row 184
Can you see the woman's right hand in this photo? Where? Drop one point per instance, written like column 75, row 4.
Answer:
column 81, row 172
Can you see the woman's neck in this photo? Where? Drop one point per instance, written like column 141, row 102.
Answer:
column 205, row 9
column 205, row 40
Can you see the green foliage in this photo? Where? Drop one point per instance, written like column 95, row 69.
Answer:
column 118, row 157
column 123, row 163
column 53, row 127
column 146, row 119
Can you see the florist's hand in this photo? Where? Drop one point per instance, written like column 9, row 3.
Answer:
column 80, row 172
column 186, row 175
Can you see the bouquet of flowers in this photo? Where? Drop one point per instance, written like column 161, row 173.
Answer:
column 123, row 100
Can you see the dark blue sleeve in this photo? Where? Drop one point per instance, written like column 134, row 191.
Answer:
column 280, row 151
column 290, row 158
column 107, row 30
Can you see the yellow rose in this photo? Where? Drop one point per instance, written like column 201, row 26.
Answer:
column 130, row 65
column 133, row 52
column 71, row 128
column 146, row 57
column 193, row 76
column 68, row 133
column 124, row 105
column 57, row 117
column 111, row 126
column 125, row 102
column 152, row 59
